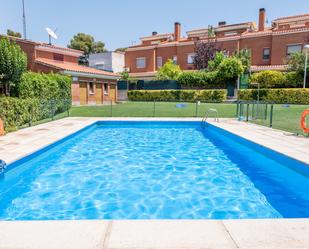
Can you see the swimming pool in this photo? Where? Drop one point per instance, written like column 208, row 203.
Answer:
column 154, row 170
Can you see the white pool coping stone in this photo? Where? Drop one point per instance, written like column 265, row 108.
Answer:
column 171, row 234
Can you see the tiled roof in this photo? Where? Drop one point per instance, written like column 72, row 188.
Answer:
column 291, row 17
column 269, row 67
column 73, row 67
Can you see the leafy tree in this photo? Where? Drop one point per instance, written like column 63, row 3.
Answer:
column 204, row 52
column 87, row 44
column 214, row 64
column 244, row 56
column 10, row 32
column 13, row 62
column 169, row 71
column 125, row 76
column 230, row 69
column 296, row 63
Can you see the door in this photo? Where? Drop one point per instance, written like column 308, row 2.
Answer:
column 98, row 93
column 231, row 89
column 83, row 93
column 112, row 93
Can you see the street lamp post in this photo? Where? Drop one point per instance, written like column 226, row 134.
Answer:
column 306, row 48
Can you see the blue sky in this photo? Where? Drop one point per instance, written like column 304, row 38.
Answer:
column 119, row 23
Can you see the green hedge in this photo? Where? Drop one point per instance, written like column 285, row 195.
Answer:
column 178, row 95
column 198, row 80
column 46, row 87
column 17, row 112
column 280, row 96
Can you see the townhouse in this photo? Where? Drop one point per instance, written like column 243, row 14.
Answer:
column 269, row 46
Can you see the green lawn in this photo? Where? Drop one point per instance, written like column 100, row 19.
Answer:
column 284, row 118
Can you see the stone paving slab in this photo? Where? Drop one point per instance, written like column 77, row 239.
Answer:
column 52, row 234
column 169, row 234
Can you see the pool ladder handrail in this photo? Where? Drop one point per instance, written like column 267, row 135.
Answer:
column 210, row 110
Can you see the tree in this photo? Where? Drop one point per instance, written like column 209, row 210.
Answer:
column 169, row 71
column 214, row 64
column 10, row 32
column 13, row 62
column 230, row 69
column 204, row 52
column 87, row 44
column 244, row 56
column 296, row 63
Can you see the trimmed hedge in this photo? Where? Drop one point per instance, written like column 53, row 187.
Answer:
column 51, row 86
column 178, row 95
column 279, row 96
column 16, row 112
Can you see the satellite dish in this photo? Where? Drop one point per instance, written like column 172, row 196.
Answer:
column 51, row 34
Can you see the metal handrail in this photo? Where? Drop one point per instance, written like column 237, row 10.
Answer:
column 210, row 110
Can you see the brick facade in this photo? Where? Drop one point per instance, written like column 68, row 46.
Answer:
column 229, row 38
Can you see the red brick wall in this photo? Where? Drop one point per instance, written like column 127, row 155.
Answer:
column 279, row 45
column 256, row 45
column 29, row 49
column 130, row 60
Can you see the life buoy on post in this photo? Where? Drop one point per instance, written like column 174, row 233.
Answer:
column 303, row 121
column 1, row 128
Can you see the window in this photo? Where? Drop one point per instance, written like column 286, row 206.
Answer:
column 141, row 62
column 175, row 59
column 105, row 89
column 190, row 58
column 293, row 49
column 100, row 66
column 159, row 62
column 91, row 88
column 58, row 57
column 266, row 54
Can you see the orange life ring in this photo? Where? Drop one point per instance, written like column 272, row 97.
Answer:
column 1, row 128
column 303, row 121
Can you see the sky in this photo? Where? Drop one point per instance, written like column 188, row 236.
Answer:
column 120, row 23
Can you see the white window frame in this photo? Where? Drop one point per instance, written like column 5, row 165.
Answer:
column 266, row 59
column 141, row 59
column 159, row 61
column 190, row 58
column 175, row 59
column 293, row 45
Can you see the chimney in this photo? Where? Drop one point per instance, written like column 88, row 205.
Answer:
column 154, row 33
column 262, row 19
column 177, row 31
column 222, row 23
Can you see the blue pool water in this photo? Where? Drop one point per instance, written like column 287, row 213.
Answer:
column 154, row 170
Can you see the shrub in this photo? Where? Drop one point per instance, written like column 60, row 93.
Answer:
column 169, row 71
column 268, row 79
column 178, row 95
column 279, row 96
column 293, row 79
column 16, row 112
column 46, row 87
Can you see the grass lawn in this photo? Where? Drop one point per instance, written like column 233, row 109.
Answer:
column 284, row 118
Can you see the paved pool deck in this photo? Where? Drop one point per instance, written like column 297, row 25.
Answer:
column 129, row 234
